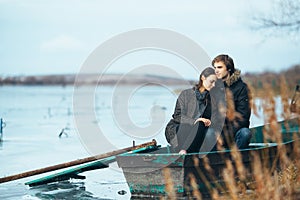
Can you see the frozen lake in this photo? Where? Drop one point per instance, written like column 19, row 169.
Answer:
column 35, row 115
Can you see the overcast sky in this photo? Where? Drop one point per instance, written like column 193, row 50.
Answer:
column 57, row 36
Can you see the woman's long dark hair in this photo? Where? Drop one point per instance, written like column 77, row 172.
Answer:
column 206, row 72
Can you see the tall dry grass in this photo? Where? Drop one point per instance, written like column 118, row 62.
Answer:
column 266, row 179
column 281, row 179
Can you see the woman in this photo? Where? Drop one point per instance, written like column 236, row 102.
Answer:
column 191, row 119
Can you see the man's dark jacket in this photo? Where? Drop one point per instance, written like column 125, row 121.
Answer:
column 241, row 98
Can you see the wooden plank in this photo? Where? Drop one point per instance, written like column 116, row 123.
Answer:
column 75, row 162
column 70, row 173
column 73, row 172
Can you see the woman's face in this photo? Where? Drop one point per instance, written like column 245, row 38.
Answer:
column 209, row 82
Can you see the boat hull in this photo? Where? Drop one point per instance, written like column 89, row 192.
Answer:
column 160, row 174
column 165, row 173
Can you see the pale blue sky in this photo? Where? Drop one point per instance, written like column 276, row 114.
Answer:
column 42, row 37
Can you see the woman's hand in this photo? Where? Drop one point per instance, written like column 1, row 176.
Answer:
column 182, row 152
column 206, row 122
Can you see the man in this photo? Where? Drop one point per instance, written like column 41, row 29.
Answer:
column 237, row 121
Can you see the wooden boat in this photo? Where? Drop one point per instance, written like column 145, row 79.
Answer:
column 146, row 169
column 150, row 175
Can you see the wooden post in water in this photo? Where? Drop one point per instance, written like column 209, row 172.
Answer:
column 75, row 162
column 1, row 129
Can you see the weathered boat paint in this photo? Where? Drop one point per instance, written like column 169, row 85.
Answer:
column 144, row 173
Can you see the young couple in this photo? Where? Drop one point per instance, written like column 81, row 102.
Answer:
column 198, row 111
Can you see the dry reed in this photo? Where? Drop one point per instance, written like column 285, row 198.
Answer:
column 228, row 175
column 268, row 177
column 195, row 191
column 169, row 185
column 275, row 181
column 281, row 179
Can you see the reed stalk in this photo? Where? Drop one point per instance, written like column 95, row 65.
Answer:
column 267, row 178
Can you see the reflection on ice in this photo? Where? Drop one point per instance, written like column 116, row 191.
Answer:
column 62, row 190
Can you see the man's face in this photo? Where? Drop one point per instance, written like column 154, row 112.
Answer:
column 221, row 70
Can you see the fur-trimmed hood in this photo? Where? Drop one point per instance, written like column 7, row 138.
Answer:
column 234, row 77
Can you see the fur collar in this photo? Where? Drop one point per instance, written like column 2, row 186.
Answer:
column 234, row 77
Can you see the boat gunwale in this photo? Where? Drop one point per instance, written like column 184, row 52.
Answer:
column 261, row 146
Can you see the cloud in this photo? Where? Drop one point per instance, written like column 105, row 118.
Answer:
column 62, row 43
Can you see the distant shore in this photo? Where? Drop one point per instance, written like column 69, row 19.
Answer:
column 257, row 81
column 91, row 79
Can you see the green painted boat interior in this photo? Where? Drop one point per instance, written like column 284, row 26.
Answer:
column 287, row 128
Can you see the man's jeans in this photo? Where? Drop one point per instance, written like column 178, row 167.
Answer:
column 242, row 138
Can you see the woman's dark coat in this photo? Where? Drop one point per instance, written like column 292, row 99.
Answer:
column 189, row 107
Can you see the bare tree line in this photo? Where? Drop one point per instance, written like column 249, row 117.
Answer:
column 283, row 19
column 290, row 77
